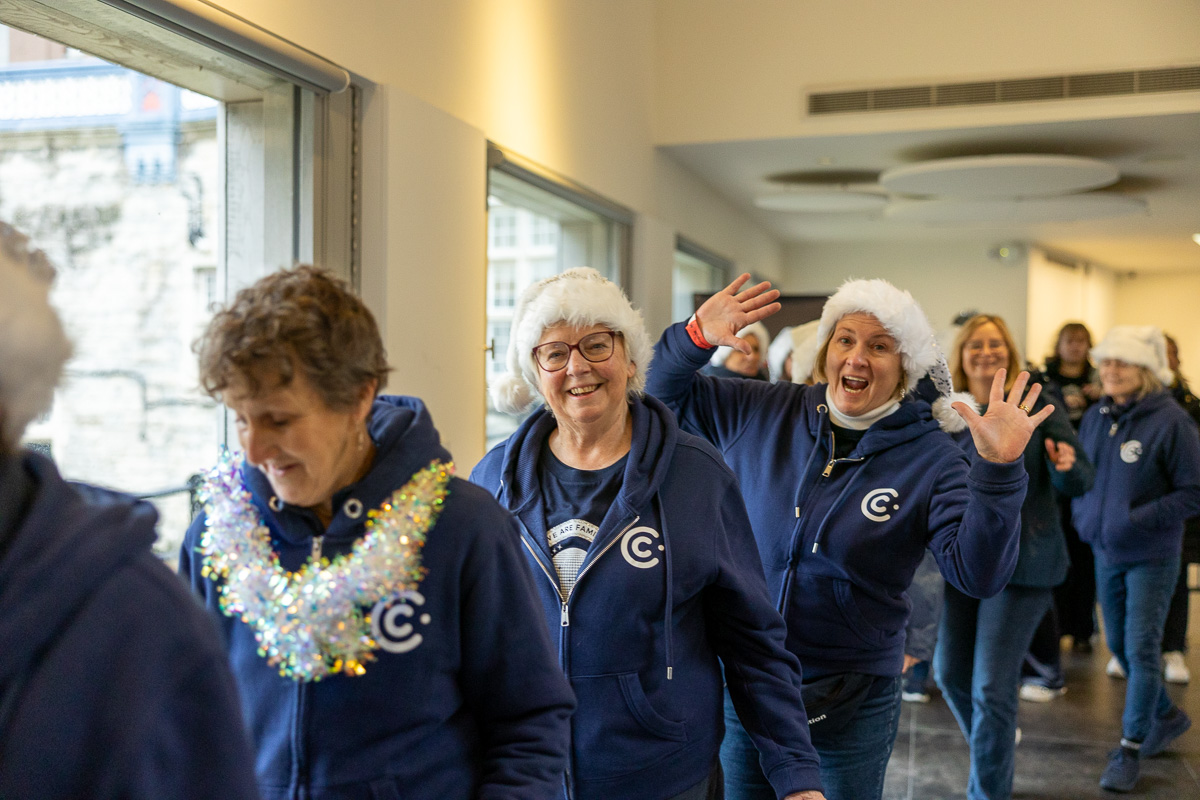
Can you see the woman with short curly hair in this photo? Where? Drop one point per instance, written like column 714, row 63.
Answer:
column 355, row 579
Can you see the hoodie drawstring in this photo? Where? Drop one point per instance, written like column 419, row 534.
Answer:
column 669, row 606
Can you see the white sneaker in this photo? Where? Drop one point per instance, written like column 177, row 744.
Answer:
column 1113, row 669
column 915, row 697
column 1036, row 693
column 1174, row 668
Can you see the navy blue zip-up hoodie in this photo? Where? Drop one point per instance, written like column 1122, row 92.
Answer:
column 670, row 584
column 1147, row 458
column 113, row 680
column 478, row 709
column 1043, row 560
column 840, row 539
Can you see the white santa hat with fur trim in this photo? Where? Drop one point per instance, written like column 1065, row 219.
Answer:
column 1140, row 345
column 903, row 318
column 580, row 297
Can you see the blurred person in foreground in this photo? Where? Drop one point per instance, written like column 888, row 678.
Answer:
column 113, row 681
column 1147, row 456
column 646, row 564
column 381, row 621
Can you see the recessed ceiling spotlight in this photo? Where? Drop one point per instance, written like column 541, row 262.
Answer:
column 1196, row 238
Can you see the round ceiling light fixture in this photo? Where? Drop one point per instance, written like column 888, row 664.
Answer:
column 822, row 200
column 1069, row 208
column 1008, row 176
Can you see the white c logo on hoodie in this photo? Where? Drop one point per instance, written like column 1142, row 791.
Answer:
column 637, row 547
column 874, row 505
column 1131, row 451
column 393, row 636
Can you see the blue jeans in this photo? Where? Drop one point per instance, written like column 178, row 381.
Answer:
column 981, row 645
column 853, row 760
column 1134, row 599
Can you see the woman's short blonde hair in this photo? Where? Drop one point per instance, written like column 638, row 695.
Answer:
column 299, row 319
column 958, row 375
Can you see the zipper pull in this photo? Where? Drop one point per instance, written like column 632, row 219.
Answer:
column 814, row 547
column 1113, row 430
column 565, row 618
column 316, row 548
column 828, row 469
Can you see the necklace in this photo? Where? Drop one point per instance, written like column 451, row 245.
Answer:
column 309, row 624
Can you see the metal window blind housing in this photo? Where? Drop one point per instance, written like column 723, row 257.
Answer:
column 239, row 38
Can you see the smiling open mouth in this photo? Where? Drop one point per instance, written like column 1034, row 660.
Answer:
column 582, row 390
column 855, row 385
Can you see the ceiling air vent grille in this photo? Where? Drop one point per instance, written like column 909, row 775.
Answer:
column 1023, row 90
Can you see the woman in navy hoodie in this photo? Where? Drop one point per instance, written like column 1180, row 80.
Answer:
column 847, row 482
column 643, row 558
column 1147, row 455
column 982, row 643
column 113, row 681
column 378, row 612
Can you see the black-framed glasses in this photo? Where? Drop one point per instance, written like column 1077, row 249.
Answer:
column 595, row 347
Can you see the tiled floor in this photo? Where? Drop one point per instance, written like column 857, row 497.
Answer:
column 1064, row 744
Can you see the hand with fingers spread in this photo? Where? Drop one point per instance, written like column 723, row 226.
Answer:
column 730, row 310
column 1001, row 434
column 1062, row 455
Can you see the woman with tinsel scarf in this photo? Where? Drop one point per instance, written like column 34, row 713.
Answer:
column 357, row 581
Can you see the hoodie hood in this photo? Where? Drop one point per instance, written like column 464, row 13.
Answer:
column 70, row 539
column 405, row 441
column 655, row 436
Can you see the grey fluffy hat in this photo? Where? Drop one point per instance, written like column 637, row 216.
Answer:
column 1140, row 345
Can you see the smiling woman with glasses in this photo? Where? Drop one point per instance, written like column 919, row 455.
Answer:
column 643, row 557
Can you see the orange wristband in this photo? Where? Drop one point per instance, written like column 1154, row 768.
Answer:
column 693, row 330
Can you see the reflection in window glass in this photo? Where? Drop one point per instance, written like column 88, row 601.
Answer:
column 534, row 234
column 113, row 174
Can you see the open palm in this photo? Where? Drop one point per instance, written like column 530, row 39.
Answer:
column 1001, row 434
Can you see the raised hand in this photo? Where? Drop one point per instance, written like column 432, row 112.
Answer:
column 1062, row 455
column 728, row 311
column 1001, row 434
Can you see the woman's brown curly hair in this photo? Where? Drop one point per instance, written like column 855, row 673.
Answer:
column 302, row 318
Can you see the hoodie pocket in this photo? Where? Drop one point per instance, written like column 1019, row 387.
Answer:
column 813, row 621
column 858, row 622
column 616, row 729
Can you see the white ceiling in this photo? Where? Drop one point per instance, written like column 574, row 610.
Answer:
column 1158, row 158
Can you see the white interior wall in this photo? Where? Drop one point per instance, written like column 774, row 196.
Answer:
column 1170, row 301
column 946, row 278
column 741, row 70
column 566, row 85
column 424, row 239
column 1059, row 294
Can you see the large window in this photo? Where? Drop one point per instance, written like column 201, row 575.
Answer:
column 538, row 226
column 154, row 201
